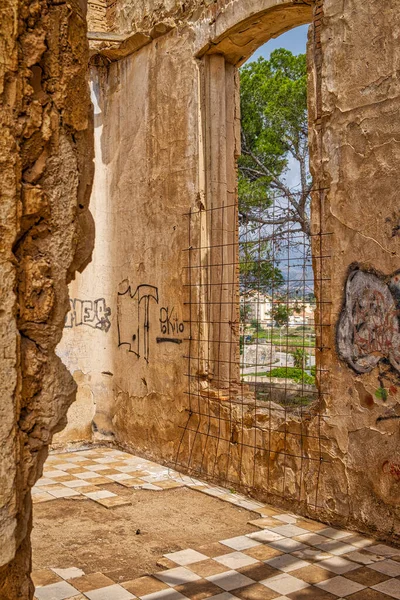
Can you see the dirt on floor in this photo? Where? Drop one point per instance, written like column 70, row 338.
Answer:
column 125, row 542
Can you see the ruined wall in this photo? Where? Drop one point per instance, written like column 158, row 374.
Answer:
column 355, row 150
column 46, row 233
column 152, row 123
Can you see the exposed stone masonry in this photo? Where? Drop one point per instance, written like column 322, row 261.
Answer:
column 46, row 234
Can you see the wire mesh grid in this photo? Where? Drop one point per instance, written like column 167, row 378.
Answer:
column 256, row 381
column 256, row 372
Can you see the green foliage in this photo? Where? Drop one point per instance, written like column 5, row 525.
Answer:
column 297, row 375
column 299, row 358
column 274, row 123
column 281, row 314
column 382, row 394
column 257, row 270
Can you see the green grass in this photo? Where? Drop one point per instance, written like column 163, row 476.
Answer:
column 297, row 375
column 297, row 337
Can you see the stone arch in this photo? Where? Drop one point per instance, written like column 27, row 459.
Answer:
column 243, row 26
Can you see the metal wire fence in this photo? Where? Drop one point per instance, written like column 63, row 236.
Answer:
column 259, row 324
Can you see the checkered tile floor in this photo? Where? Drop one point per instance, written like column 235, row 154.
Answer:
column 85, row 473
column 288, row 558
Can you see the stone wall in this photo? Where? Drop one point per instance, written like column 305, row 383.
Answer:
column 153, row 125
column 46, row 234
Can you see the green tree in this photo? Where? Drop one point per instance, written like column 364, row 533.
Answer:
column 257, row 269
column 281, row 314
column 274, row 138
column 300, row 358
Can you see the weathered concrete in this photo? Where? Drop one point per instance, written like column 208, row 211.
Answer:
column 46, row 234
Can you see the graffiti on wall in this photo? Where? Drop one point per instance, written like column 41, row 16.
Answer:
column 92, row 313
column 170, row 325
column 134, row 319
column 369, row 328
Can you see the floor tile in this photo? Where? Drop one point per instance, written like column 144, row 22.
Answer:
column 335, row 534
column 213, row 549
column 383, row 550
column 235, row 560
column 100, row 494
column 265, row 536
column 359, row 541
column 165, row 563
column 256, row 591
column 186, row 557
column 224, row 596
column 199, row 590
column 340, row 586
column 366, row 576
column 311, row 538
column 63, row 492
column 312, row 554
column 259, row 572
column 289, row 530
column 310, row 525
column 86, row 488
column 338, row 565
column 362, row 557
column 113, row 502
column 285, row 583
column 387, row 567
column 144, row 586
column 230, row 580
column 369, row 594
column 46, row 481
column 112, row 592
column 91, row 582
column 70, row 573
column 336, row 547
column 74, row 483
column 241, row 542
column 287, row 563
column 88, row 476
column 264, row 522
column 267, row 511
column 205, row 568
column 177, row 576
column 391, row 587
column 119, row 477
column 55, row 591
column 288, row 545
column 165, row 595
column 42, row 497
column 287, row 518
column 44, row 577
column 263, row 552
column 312, row 593
column 312, row 574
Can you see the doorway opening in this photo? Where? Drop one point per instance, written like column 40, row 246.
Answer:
column 256, row 375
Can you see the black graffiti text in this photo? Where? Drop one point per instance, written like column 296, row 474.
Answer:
column 93, row 313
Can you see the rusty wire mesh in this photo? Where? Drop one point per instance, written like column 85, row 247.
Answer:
column 257, row 376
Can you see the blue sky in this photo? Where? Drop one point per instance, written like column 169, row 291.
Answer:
column 294, row 40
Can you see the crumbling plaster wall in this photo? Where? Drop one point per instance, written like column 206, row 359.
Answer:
column 150, row 149
column 46, row 234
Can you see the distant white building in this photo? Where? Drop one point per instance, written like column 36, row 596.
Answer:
column 257, row 307
column 303, row 315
